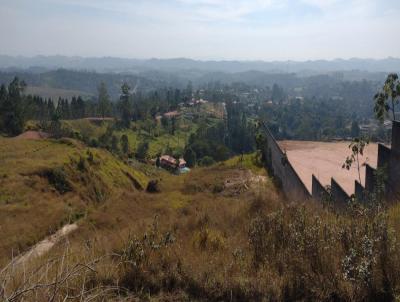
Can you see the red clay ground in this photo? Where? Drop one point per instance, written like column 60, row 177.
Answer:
column 325, row 160
column 33, row 135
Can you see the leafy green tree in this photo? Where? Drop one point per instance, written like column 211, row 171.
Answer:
column 173, row 125
column 114, row 144
column 3, row 102
column 125, row 144
column 206, row 161
column 190, row 157
column 164, row 122
column 105, row 138
column 103, row 100
column 387, row 99
column 13, row 113
column 55, row 125
column 143, row 148
column 277, row 93
column 357, row 147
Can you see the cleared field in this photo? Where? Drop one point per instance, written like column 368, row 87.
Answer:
column 55, row 93
column 325, row 159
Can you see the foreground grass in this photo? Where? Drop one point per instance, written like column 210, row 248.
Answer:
column 47, row 183
column 221, row 233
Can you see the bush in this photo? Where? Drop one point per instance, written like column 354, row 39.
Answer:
column 58, row 179
column 94, row 143
column 206, row 161
column 141, row 152
column 190, row 157
column 153, row 186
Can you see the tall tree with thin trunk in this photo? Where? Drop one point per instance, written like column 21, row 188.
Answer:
column 103, row 100
column 357, row 147
column 125, row 105
column 387, row 99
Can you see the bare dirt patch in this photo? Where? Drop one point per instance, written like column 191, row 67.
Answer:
column 45, row 245
column 325, row 159
column 35, row 135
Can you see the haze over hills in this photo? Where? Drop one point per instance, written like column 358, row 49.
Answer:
column 114, row 64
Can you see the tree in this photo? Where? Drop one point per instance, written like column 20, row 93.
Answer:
column 3, row 102
column 206, row 161
column 125, row 105
column 164, row 122
column 12, row 111
column 190, row 157
column 387, row 99
column 277, row 93
column 55, row 125
column 357, row 147
column 125, row 144
column 173, row 125
column 355, row 129
column 114, row 144
column 103, row 100
column 141, row 152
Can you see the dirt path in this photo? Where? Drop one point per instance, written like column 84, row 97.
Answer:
column 45, row 245
column 35, row 135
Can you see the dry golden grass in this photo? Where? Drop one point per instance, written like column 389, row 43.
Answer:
column 210, row 237
column 32, row 207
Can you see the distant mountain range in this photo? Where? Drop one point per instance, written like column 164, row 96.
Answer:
column 121, row 65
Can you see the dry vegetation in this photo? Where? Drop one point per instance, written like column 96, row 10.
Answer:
column 222, row 233
column 55, row 93
column 45, row 184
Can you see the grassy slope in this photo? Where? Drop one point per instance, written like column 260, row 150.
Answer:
column 219, row 217
column 206, row 217
column 156, row 143
column 31, row 208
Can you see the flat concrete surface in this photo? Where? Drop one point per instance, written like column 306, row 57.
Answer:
column 325, row 160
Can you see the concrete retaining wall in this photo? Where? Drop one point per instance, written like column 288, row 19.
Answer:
column 370, row 175
column 318, row 190
column 281, row 169
column 359, row 191
column 294, row 188
column 383, row 156
column 339, row 196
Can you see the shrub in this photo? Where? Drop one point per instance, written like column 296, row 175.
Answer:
column 94, row 143
column 82, row 164
column 206, row 161
column 208, row 239
column 58, row 179
column 153, row 186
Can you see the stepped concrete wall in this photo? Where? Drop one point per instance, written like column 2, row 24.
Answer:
column 318, row 190
column 384, row 154
column 339, row 196
column 369, row 178
column 359, row 191
column 294, row 188
column 281, row 169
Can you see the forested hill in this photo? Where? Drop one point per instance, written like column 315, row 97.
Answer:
column 84, row 81
column 323, row 85
column 134, row 65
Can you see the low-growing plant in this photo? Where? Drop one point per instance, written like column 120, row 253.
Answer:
column 58, row 179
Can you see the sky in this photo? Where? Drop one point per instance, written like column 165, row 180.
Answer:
column 202, row 29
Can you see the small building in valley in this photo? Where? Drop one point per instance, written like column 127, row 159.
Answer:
column 167, row 161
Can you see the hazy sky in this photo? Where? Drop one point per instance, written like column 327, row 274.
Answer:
column 202, row 29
